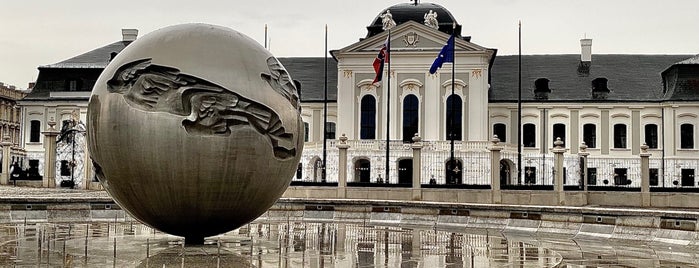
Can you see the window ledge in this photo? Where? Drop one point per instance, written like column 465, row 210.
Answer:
column 620, row 149
column 687, row 150
column 34, row 143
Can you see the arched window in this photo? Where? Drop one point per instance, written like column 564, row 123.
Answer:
column 405, row 171
column 687, row 136
column 619, row 136
column 362, row 170
column 529, row 135
column 368, row 118
column 651, row 131
column 590, row 135
column 330, row 130
column 559, row 131
column 299, row 171
column 500, row 130
column 410, row 117
column 34, row 130
column 317, row 170
column 454, row 171
column 454, row 109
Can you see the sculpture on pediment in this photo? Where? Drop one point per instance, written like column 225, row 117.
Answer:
column 431, row 20
column 387, row 20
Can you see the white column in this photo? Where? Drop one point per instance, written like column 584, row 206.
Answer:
column 432, row 100
column 478, row 105
column 346, row 100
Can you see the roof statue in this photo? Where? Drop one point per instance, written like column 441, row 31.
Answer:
column 387, row 20
column 431, row 20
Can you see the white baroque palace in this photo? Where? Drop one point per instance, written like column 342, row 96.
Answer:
column 612, row 103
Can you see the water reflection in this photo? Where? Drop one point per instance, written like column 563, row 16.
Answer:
column 308, row 244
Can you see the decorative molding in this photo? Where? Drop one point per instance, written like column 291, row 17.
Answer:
column 589, row 115
column 367, row 85
column 620, row 115
column 347, row 73
column 651, row 116
column 410, row 84
column 34, row 113
column 411, row 39
column 559, row 115
column 458, row 84
column 530, row 115
column 686, row 115
column 496, row 115
column 477, row 73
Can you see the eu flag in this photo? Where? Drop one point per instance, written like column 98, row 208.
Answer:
column 446, row 55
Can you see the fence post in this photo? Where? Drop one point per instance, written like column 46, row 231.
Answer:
column 417, row 167
column 583, row 153
column 6, row 148
column 645, row 176
column 496, row 195
column 50, row 135
column 342, row 146
column 558, row 151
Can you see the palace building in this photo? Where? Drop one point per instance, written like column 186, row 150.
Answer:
column 613, row 103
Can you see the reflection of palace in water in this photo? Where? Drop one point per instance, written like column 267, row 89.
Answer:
column 356, row 245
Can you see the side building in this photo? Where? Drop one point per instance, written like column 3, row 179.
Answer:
column 60, row 95
column 10, row 132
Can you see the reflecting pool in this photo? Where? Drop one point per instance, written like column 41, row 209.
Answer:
column 318, row 244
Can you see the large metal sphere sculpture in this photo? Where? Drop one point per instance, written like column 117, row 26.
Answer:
column 195, row 130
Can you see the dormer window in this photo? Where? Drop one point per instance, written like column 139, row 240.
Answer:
column 599, row 88
column 72, row 85
column 541, row 89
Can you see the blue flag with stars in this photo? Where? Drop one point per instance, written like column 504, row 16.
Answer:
column 446, row 55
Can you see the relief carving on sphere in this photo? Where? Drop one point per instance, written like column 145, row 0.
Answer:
column 279, row 79
column 210, row 109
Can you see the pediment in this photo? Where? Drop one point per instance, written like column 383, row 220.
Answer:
column 409, row 36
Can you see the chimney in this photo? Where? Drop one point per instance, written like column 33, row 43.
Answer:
column 586, row 50
column 129, row 34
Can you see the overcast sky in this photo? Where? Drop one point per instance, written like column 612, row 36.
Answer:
column 40, row 32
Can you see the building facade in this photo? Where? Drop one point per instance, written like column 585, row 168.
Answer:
column 612, row 103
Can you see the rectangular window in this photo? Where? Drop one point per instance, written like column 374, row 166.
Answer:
column 620, row 136
column 559, row 131
column 529, row 135
column 653, row 176
column 530, row 175
column 330, row 130
column 651, row 131
column 687, row 136
column 73, row 85
column 305, row 132
column 34, row 130
column 591, row 176
column 620, row 177
column 590, row 135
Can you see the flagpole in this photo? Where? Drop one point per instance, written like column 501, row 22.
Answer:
column 451, row 121
column 519, row 108
column 325, row 106
column 388, row 102
column 265, row 35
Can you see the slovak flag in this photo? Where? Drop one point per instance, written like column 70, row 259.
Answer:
column 380, row 59
column 446, row 55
